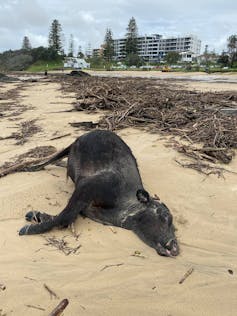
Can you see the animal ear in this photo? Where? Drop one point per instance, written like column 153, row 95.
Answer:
column 143, row 196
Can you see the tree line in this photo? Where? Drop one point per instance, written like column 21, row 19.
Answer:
column 21, row 59
column 24, row 57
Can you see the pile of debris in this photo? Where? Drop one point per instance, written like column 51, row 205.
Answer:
column 162, row 107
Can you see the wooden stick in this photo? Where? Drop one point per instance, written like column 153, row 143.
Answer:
column 58, row 137
column 51, row 292
column 186, row 275
column 35, row 307
column 59, row 308
column 111, row 265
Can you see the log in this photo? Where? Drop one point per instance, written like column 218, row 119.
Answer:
column 59, row 308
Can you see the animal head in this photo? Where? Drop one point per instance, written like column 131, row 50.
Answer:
column 154, row 225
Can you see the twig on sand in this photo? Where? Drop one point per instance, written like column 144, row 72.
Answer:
column 204, row 168
column 51, row 292
column 111, row 265
column 61, row 136
column 31, row 279
column 186, row 275
column 35, row 307
column 59, row 308
column 62, row 245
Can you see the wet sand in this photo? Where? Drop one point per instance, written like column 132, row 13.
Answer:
column 183, row 76
column 204, row 210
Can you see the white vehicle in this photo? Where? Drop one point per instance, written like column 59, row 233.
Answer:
column 75, row 63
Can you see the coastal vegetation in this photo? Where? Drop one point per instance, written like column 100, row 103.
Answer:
column 41, row 58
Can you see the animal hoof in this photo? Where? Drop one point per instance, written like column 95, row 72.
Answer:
column 24, row 230
column 32, row 216
column 29, row 216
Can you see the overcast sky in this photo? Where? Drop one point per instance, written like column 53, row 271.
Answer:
column 211, row 20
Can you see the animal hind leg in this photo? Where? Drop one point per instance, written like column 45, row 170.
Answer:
column 100, row 190
column 38, row 217
column 47, row 222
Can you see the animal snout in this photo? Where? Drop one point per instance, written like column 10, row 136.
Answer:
column 172, row 247
column 172, row 243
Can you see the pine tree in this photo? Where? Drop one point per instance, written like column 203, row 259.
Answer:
column 26, row 43
column 232, row 48
column 55, row 36
column 71, row 46
column 131, row 38
column 108, row 52
column 131, row 44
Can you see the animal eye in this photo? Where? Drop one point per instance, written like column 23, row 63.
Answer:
column 166, row 217
column 163, row 218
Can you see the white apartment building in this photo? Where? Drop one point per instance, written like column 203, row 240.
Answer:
column 153, row 48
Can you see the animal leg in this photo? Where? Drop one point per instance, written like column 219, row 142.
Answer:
column 46, row 222
column 38, row 217
column 100, row 190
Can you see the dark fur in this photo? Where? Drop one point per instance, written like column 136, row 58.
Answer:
column 108, row 189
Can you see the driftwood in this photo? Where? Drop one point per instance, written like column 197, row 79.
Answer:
column 111, row 265
column 161, row 107
column 61, row 136
column 210, row 154
column 59, row 308
column 157, row 106
column 186, row 275
column 84, row 125
column 25, row 131
column 35, row 307
column 204, row 168
column 62, row 245
column 51, row 292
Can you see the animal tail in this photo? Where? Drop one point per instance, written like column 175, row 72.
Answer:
column 59, row 155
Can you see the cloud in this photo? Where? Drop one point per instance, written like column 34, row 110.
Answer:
column 17, row 14
column 212, row 21
column 36, row 40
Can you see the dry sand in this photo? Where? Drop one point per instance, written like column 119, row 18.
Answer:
column 205, row 215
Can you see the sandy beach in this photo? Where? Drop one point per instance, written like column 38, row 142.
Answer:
column 103, row 277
